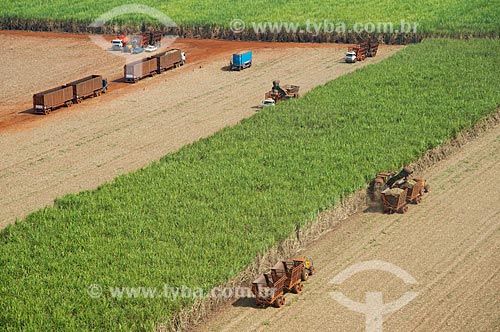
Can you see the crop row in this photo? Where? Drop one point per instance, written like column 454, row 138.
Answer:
column 432, row 16
column 200, row 215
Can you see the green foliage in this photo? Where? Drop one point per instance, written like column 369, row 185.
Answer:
column 446, row 16
column 201, row 215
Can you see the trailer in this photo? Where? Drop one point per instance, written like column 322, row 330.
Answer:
column 170, row 59
column 269, row 290
column 372, row 48
column 241, row 61
column 90, row 86
column 292, row 270
column 46, row 101
column 151, row 38
column 137, row 70
column 416, row 189
column 394, row 200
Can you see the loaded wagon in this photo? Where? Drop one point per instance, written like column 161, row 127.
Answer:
column 292, row 270
column 137, row 70
column 46, row 101
column 170, row 59
column 394, row 200
column 416, row 188
column 269, row 290
column 90, row 86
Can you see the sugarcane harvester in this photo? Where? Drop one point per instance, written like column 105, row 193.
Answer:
column 398, row 190
column 278, row 92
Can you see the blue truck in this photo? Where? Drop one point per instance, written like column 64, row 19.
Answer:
column 241, row 60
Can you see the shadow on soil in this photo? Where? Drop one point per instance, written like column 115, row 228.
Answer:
column 29, row 111
column 246, row 302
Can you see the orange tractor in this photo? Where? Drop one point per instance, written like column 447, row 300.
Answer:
column 398, row 190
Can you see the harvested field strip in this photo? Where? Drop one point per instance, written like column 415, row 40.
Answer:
column 201, row 215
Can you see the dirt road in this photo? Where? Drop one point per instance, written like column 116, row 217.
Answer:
column 44, row 157
column 450, row 244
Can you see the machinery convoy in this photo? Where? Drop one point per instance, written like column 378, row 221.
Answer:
column 74, row 92
column 396, row 191
column 285, row 276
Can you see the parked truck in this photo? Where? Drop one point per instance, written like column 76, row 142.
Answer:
column 90, row 86
column 153, row 65
column 170, row 59
column 69, row 94
column 241, row 61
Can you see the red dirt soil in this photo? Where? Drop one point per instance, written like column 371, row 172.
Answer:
column 16, row 111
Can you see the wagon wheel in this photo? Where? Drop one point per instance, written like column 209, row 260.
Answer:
column 79, row 100
column 297, row 288
column 418, row 200
column 47, row 111
column 305, row 274
column 404, row 209
column 427, row 188
column 283, row 301
column 278, row 302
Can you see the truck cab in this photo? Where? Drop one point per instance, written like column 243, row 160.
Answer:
column 350, row 57
column 116, row 45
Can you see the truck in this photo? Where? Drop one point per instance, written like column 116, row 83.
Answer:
column 137, row 70
column 90, row 86
column 278, row 93
column 241, row 61
column 170, row 59
column 46, row 101
column 362, row 51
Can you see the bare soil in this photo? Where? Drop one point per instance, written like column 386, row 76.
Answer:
column 79, row 148
column 450, row 244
